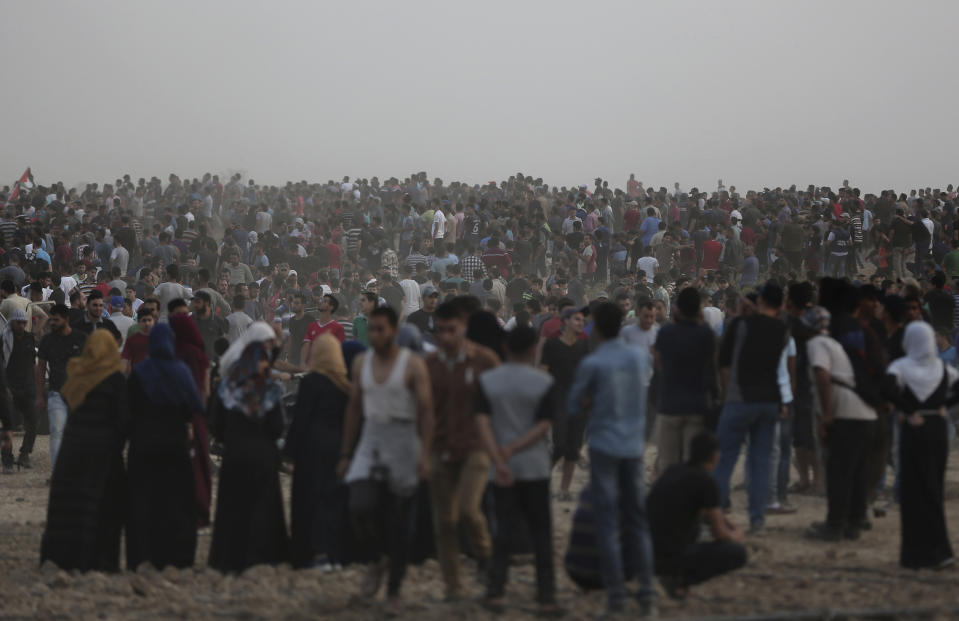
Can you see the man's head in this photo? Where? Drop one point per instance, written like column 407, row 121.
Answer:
column 297, row 303
column 6, row 288
column 18, row 321
column 646, row 315
column 607, row 320
column 382, row 329
column 234, row 258
column 177, row 306
column 59, row 318
column 328, row 304
column 689, row 301
column 201, row 304
column 431, row 298
column 95, row 305
column 704, row 451
column 771, row 299
column 521, row 344
column 368, row 301
column 451, row 320
column 573, row 320
column 146, row 317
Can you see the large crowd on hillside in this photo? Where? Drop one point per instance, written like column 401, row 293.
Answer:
column 423, row 356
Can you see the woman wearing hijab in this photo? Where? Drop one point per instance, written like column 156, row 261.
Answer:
column 318, row 503
column 249, row 527
column 922, row 386
column 163, row 396
column 188, row 346
column 88, row 488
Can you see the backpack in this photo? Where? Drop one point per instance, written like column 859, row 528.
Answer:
column 867, row 387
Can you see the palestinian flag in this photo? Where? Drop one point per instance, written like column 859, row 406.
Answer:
column 25, row 182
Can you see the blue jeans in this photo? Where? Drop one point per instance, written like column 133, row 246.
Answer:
column 57, row 415
column 757, row 422
column 617, row 486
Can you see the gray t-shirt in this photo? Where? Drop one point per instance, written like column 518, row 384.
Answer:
column 516, row 397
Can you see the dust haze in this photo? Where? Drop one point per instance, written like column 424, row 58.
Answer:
column 757, row 93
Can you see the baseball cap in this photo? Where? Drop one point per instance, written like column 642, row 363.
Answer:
column 429, row 290
column 572, row 310
column 116, row 302
column 371, row 282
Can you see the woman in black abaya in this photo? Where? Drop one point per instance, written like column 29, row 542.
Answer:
column 88, row 488
column 249, row 527
column 921, row 386
column 313, row 443
column 163, row 399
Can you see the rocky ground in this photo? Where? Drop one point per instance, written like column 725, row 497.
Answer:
column 787, row 577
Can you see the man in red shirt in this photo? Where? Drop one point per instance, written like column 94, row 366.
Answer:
column 711, row 251
column 631, row 217
column 136, row 346
column 335, row 253
column 327, row 306
column 497, row 260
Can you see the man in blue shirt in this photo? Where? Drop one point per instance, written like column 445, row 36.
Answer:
column 611, row 380
column 649, row 227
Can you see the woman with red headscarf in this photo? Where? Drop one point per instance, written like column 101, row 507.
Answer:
column 188, row 344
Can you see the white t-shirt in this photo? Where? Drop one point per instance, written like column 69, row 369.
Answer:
column 439, row 224
column 644, row 339
column 414, row 300
column 648, row 265
column 826, row 353
column 714, row 319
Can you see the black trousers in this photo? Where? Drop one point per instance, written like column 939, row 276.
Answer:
column 703, row 561
column 527, row 501
column 923, row 451
column 381, row 522
column 23, row 404
column 849, row 445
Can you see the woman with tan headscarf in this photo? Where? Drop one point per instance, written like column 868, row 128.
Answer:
column 313, row 443
column 88, row 488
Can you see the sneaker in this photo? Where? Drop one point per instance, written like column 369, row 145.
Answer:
column 7, row 469
column 24, row 460
column 945, row 564
column 823, row 532
column 756, row 529
column 780, row 509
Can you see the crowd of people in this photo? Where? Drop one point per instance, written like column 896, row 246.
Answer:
column 450, row 346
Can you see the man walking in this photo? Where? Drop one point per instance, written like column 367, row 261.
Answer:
column 459, row 465
column 749, row 362
column 611, row 379
column 56, row 349
column 19, row 360
column 392, row 397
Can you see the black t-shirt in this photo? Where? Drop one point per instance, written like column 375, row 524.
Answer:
column 20, row 366
column 561, row 360
column 211, row 329
column 675, row 505
column 422, row 320
column 393, row 294
column 516, row 288
column 56, row 350
column 297, row 332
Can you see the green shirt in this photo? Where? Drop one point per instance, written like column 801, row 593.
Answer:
column 361, row 330
column 950, row 264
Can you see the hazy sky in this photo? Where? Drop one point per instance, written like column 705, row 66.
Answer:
column 759, row 93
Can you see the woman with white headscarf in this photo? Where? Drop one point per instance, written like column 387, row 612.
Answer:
column 922, row 386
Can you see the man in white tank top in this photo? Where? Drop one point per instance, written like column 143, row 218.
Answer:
column 392, row 395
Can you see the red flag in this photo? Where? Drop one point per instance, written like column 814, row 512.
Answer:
column 26, row 181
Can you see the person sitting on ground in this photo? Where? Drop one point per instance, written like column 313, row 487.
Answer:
column 684, row 496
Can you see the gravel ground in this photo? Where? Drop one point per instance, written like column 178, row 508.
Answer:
column 785, row 575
